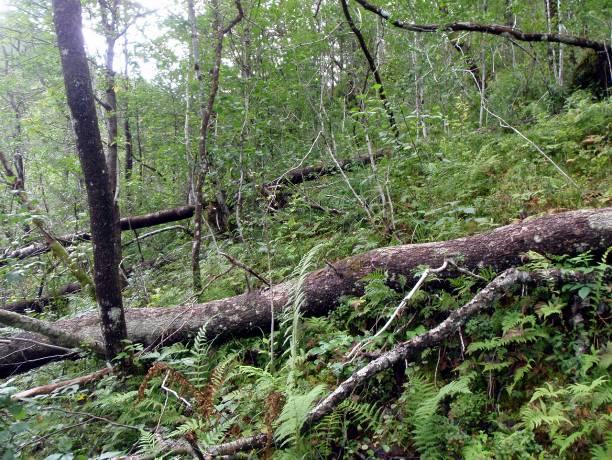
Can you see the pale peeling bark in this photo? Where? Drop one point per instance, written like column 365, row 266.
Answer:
column 250, row 313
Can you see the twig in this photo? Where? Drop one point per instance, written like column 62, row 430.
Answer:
column 351, row 355
column 174, row 393
column 465, row 271
column 97, row 417
column 155, row 232
column 51, row 387
column 36, row 342
column 246, row 268
column 503, row 123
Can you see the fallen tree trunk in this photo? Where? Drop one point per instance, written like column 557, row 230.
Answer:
column 126, row 223
column 276, row 190
column 250, row 313
column 39, row 303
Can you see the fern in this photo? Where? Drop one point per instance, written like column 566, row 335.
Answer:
column 205, row 435
column 365, row 415
column 516, row 320
column 216, row 434
column 148, row 444
column 552, row 416
column 191, row 425
column 513, row 337
column 603, row 452
column 292, row 321
column 292, row 417
column 519, row 374
column 116, row 400
column 428, row 432
column 328, row 430
column 554, row 306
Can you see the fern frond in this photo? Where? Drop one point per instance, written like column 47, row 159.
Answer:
column 148, row 444
column 549, row 392
column 293, row 415
column 191, row 425
column 603, row 452
column 293, row 316
column 363, row 414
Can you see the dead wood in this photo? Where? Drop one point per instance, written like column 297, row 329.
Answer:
column 126, row 223
column 39, row 303
column 278, row 190
column 51, row 387
column 250, row 313
column 502, row 284
column 491, row 29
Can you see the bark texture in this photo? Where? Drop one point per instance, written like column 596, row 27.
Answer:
column 126, row 223
column 104, row 216
column 492, row 29
column 250, row 313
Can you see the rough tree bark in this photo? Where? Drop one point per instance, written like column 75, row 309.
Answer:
column 249, row 313
column 104, row 216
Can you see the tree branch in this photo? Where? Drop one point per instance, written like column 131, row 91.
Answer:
column 492, row 29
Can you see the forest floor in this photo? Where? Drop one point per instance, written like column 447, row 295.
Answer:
column 527, row 380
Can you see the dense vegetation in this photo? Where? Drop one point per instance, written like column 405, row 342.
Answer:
column 474, row 131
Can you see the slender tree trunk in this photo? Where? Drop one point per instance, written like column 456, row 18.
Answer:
column 550, row 9
column 18, row 155
column 104, row 216
column 129, row 161
column 203, row 163
column 187, row 141
column 109, row 12
column 373, row 68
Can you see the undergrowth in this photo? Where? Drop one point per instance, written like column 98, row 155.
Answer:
column 528, row 379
